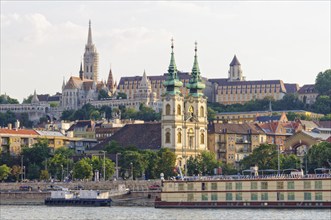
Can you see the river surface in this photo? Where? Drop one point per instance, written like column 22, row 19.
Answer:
column 110, row 213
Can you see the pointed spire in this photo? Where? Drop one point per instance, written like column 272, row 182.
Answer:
column 89, row 38
column 235, row 61
column 110, row 82
column 34, row 98
column 81, row 72
column 172, row 70
column 195, row 84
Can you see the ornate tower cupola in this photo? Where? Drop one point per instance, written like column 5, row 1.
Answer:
column 195, row 84
column 235, row 72
column 172, row 82
column 91, row 58
column 110, row 82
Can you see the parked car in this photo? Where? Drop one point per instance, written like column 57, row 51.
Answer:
column 154, row 187
column 25, row 188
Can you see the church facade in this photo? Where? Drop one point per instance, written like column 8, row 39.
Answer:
column 184, row 116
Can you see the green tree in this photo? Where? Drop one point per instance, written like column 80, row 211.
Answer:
column 83, row 169
column 5, row 99
column 44, row 175
column 323, row 82
column 106, row 111
column 33, row 171
column 67, row 115
column 211, row 114
column 133, row 164
column 28, row 99
column 323, row 104
column 103, row 94
column 97, row 164
column 113, row 147
column 203, row 164
column 152, row 158
column 37, row 153
column 94, row 115
column 166, row 163
column 15, row 172
column 289, row 161
column 319, row 155
column 265, row 157
column 121, row 95
column 60, row 162
column 4, row 171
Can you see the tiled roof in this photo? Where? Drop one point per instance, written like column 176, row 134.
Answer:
column 324, row 124
column 50, row 133
column 43, row 98
column 244, row 128
column 82, row 123
column 142, row 136
column 308, row 88
column 73, row 83
column 291, row 87
column 268, row 118
column 18, row 132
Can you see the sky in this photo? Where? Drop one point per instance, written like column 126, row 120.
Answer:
column 42, row 42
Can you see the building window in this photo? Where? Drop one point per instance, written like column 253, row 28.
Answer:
column 179, row 137
column 228, row 186
column 228, row 196
column 204, row 197
column 213, row 186
column 190, row 186
column 318, row 196
column 290, row 196
column 290, row 185
column 253, row 196
column 264, row 185
column 204, row 186
column 214, row 197
column 280, row 185
column 239, row 196
column 264, row 196
column 318, row 184
column 253, row 185
column 202, row 138
column 179, row 110
column 202, row 111
column 306, row 185
column 167, row 109
column 167, row 139
column 239, row 186
column 180, row 186
column 307, row 196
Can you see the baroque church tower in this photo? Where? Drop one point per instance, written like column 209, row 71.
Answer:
column 91, row 58
column 184, row 119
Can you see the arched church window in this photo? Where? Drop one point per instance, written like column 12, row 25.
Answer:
column 191, row 110
column 86, row 68
column 179, row 137
column 167, row 109
column 167, row 137
column 202, row 138
column 202, row 111
column 179, row 109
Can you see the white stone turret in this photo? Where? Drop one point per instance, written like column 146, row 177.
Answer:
column 235, row 72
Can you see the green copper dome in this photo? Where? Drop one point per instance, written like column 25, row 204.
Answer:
column 196, row 84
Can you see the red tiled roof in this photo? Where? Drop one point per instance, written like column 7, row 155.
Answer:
column 18, row 132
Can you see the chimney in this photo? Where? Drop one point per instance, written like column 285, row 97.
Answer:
column 17, row 125
column 10, row 126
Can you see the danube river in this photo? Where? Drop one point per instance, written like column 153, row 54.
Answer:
column 50, row 213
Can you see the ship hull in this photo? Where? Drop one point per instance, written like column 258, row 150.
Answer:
column 78, row 202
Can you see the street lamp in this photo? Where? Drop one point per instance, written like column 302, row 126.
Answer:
column 104, row 165
column 22, row 168
column 117, row 164
column 131, row 164
column 278, row 172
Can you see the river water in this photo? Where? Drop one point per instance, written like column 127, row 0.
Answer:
column 110, row 213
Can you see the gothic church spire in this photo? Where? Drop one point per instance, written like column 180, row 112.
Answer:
column 195, row 84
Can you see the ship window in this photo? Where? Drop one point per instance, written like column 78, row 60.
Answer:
column 253, row 196
column 306, row 185
column 318, row 184
column 253, row 185
column 239, row 196
column 203, row 186
column 290, row 185
column 239, row 186
column 214, row 197
column 318, row 196
column 307, row 196
column 280, row 185
column 204, row 197
column 264, row 185
column 180, row 186
column 280, row 196
column 264, row 196
column 228, row 186
column 190, row 197
column 228, row 196
column 214, row 186
column 190, row 186
column 290, row 196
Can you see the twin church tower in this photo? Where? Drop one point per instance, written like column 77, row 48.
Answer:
column 184, row 118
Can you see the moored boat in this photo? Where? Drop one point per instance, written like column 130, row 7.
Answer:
column 83, row 198
column 239, row 191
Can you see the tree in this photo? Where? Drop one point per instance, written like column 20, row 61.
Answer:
column 5, row 99
column 203, row 164
column 121, row 95
column 106, row 111
column 167, row 162
column 15, row 172
column 133, row 164
column 211, row 114
column 323, row 82
column 60, row 162
column 152, row 159
column 27, row 100
column 97, row 164
column 322, row 104
column 37, row 153
column 4, row 171
column 113, row 147
column 265, row 157
column 44, row 175
column 319, row 155
column 103, row 94
column 289, row 161
column 83, row 169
